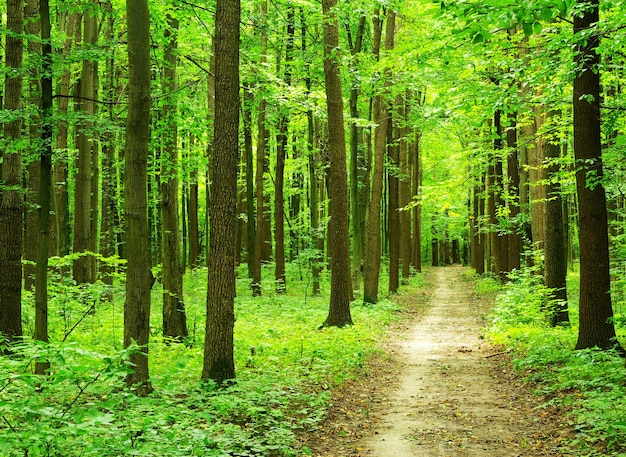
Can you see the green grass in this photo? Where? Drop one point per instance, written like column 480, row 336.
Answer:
column 589, row 384
column 286, row 369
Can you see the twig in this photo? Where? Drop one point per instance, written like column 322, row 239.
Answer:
column 497, row 354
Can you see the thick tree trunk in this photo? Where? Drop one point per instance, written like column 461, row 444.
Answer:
column 338, row 229
column 596, row 327
column 11, row 205
column 219, row 363
column 138, row 273
column 174, row 317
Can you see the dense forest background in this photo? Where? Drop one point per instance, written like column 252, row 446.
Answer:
column 162, row 165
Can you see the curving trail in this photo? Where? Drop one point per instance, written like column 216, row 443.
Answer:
column 452, row 399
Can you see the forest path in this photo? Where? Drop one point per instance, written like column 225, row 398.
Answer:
column 450, row 395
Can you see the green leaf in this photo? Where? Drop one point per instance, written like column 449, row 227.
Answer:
column 546, row 14
column 528, row 28
column 537, row 27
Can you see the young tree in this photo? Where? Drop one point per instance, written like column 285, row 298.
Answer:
column 139, row 278
column 338, row 230
column 596, row 327
column 11, row 205
column 219, row 363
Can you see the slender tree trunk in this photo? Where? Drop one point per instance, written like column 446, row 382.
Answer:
column 139, row 278
column 371, row 268
column 596, row 327
column 174, row 317
column 45, row 186
column 358, row 199
column 338, row 229
column 109, row 210
column 32, row 25
column 406, row 242
column 514, row 239
column 393, row 157
column 219, row 364
column 83, row 185
column 555, row 262
column 262, row 165
column 69, row 23
column 11, row 205
column 248, row 99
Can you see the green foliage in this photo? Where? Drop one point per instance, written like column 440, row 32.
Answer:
column 286, row 368
column 589, row 384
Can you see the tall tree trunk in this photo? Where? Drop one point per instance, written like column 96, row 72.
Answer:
column 85, row 143
column 281, row 151
column 537, row 190
column 45, row 186
column 68, row 23
column 109, row 209
column 248, row 99
column 596, row 327
column 393, row 183
column 514, row 248
column 11, row 205
column 404, row 195
column 219, row 364
column 555, row 262
column 371, row 267
column 174, row 317
column 32, row 25
column 139, row 278
column 358, row 178
column 338, row 229
column 316, row 239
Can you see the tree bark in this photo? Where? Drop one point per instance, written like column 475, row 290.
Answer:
column 139, row 278
column 219, row 364
column 371, row 267
column 596, row 327
column 82, row 267
column 45, row 186
column 515, row 245
column 11, row 205
column 174, row 317
column 338, row 229
column 555, row 262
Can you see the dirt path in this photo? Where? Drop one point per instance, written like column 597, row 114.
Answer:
column 452, row 396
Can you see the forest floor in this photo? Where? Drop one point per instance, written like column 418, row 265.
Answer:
column 440, row 389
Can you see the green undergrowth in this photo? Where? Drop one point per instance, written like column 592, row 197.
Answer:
column 590, row 385
column 286, row 365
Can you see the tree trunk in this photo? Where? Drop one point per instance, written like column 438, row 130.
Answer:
column 174, row 317
column 262, row 166
column 338, row 229
column 139, row 278
column 596, row 327
column 85, row 144
column 555, row 262
column 371, row 266
column 248, row 99
column 32, row 25
column 393, row 156
column 406, row 242
column 515, row 245
column 11, row 205
column 219, row 364
column 358, row 199
column 45, row 187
